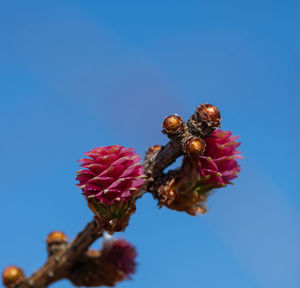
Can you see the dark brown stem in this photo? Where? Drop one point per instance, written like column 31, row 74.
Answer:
column 156, row 163
column 57, row 265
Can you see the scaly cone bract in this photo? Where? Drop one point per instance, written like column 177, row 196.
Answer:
column 110, row 178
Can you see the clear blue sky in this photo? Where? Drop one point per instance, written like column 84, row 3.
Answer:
column 80, row 74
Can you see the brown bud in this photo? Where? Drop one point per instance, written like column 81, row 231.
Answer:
column 56, row 241
column 172, row 125
column 194, row 147
column 12, row 276
column 204, row 121
column 210, row 113
column 57, row 236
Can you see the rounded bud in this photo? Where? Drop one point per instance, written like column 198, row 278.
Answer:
column 210, row 113
column 204, row 121
column 173, row 124
column 194, row 147
column 57, row 236
column 12, row 275
column 56, row 241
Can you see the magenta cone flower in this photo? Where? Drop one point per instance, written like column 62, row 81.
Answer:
column 111, row 174
column 120, row 254
column 218, row 165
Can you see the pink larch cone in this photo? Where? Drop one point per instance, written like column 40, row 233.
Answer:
column 218, row 165
column 188, row 188
column 121, row 254
column 115, row 262
column 109, row 180
column 112, row 174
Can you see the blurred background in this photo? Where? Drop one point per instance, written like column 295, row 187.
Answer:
column 79, row 74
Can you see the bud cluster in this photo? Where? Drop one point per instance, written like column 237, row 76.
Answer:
column 201, row 124
column 209, row 160
column 111, row 179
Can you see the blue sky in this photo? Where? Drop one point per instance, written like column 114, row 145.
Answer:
column 79, row 74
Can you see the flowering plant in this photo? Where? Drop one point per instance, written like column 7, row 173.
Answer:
column 112, row 178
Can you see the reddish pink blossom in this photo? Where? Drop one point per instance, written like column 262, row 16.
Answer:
column 111, row 174
column 120, row 254
column 218, row 165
